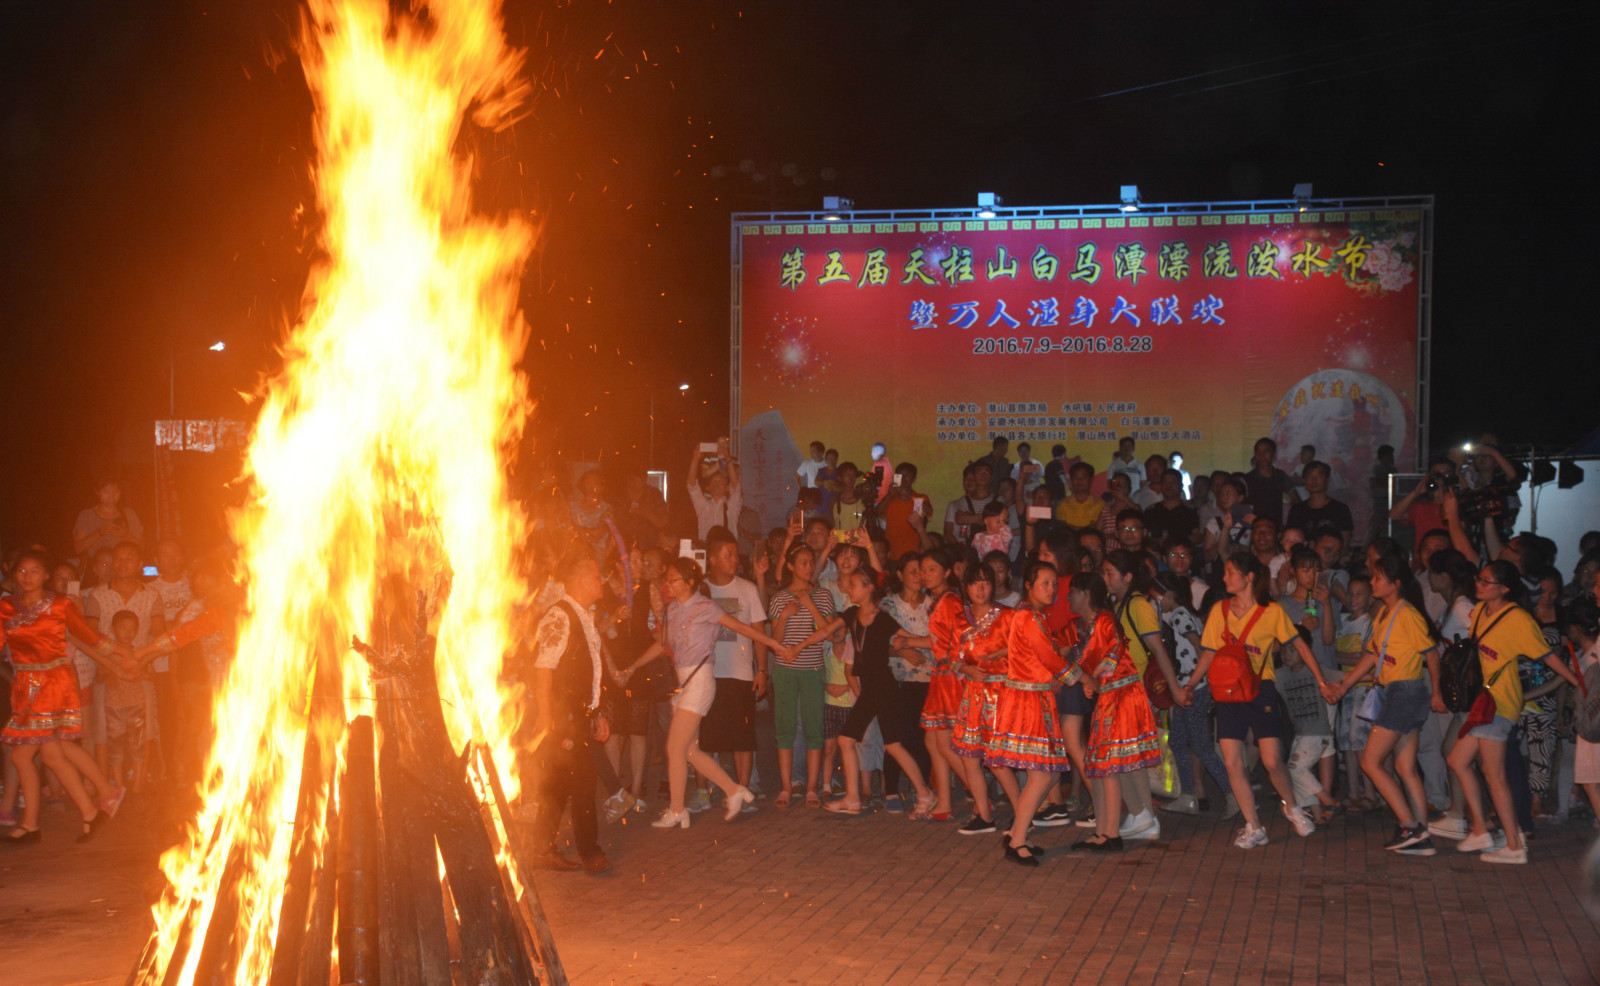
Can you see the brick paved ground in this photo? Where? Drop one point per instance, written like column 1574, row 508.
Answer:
column 800, row 896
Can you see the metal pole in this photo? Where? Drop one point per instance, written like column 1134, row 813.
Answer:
column 652, row 429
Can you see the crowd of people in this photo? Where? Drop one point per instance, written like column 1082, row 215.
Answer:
column 1064, row 646
column 107, row 661
column 1053, row 655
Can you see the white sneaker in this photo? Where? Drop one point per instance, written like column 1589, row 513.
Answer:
column 1449, row 827
column 1145, row 827
column 1482, row 842
column 1133, row 823
column 1517, row 856
column 1183, row 804
column 698, row 801
column 1230, row 807
column 1303, row 825
column 1250, row 837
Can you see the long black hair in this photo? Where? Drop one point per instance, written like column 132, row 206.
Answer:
column 1133, row 566
column 1507, row 575
column 1095, row 586
column 1251, row 568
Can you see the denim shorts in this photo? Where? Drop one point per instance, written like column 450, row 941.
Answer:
column 1071, row 701
column 1236, row 719
column 1497, row 729
column 1405, row 706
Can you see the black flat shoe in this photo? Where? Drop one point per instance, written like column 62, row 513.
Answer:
column 1113, row 844
column 20, row 836
column 92, row 825
column 1005, row 841
column 1015, row 855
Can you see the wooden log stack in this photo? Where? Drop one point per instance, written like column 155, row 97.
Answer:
column 419, row 879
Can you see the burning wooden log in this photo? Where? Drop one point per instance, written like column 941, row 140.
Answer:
column 409, row 859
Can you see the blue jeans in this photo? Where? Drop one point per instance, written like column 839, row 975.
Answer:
column 1191, row 732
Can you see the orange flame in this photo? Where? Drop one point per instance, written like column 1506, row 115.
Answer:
column 380, row 453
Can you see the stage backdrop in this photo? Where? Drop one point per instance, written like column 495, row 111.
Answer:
column 1195, row 328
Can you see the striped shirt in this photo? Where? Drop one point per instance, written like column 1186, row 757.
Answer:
column 801, row 625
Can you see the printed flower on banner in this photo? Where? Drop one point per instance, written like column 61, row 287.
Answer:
column 1387, row 264
column 1377, row 257
column 790, row 355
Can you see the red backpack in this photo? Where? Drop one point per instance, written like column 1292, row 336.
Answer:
column 1232, row 675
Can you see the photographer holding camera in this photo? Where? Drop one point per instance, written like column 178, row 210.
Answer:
column 718, row 502
column 1423, row 507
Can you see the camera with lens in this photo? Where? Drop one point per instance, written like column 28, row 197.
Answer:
column 1444, row 480
column 1480, row 505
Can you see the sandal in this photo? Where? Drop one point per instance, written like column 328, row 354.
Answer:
column 92, row 825
column 924, row 807
column 781, row 800
column 20, row 836
column 843, row 807
column 812, row 801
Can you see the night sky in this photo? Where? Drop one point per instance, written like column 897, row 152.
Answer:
column 154, row 157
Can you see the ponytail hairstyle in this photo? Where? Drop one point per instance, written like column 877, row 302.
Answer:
column 1584, row 616
column 1179, row 586
column 689, row 569
column 1131, row 565
column 1507, row 575
column 872, row 583
column 1454, row 566
column 1095, row 586
column 1250, row 567
column 1391, row 568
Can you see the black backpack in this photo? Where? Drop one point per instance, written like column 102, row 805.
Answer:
column 1461, row 671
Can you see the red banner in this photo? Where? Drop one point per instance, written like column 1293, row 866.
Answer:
column 1196, row 333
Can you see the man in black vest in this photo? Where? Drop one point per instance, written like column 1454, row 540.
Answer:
column 566, row 701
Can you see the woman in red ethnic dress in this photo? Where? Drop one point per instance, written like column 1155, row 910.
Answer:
column 981, row 661
column 1026, row 733
column 46, row 707
column 943, row 707
column 1122, row 731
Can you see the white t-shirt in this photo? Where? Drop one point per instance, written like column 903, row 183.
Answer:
column 1457, row 622
column 965, row 504
column 1432, row 601
column 174, row 597
column 808, row 472
column 736, row 654
column 1146, row 497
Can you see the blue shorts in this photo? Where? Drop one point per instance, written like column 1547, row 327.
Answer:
column 1497, row 729
column 1236, row 719
column 1071, row 701
column 1405, row 706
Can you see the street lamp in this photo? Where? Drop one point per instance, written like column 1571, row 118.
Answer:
column 172, row 372
column 683, row 390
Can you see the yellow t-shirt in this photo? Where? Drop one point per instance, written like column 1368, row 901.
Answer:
column 1138, row 619
column 1075, row 514
column 1517, row 634
column 1272, row 629
column 1401, row 637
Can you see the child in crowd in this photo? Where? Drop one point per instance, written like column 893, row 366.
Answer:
column 996, row 533
column 1289, row 539
column 1355, row 628
column 1189, row 735
column 1004, row 594
column 125, row 710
